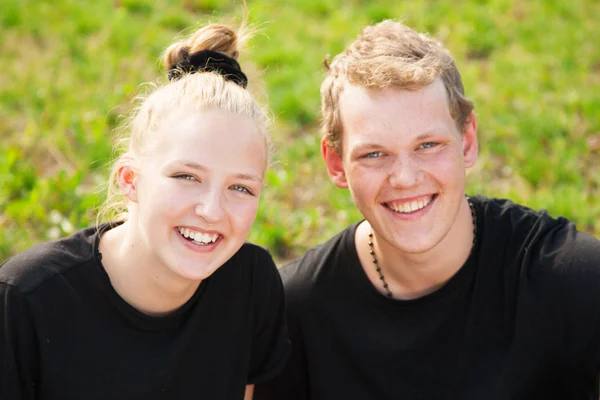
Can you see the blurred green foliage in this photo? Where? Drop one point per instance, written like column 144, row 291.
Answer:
column 70, row 70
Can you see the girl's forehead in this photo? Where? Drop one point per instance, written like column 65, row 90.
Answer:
column 212, row 138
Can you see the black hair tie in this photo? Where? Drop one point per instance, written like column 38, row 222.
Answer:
column 209, row 61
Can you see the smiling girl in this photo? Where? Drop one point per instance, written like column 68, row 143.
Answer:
column 167, row 302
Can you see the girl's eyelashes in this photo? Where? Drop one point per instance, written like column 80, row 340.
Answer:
column 185, row 177
column 242, row 189
column 190, row 178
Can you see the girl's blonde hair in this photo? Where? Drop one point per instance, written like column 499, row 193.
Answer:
column 190, row 93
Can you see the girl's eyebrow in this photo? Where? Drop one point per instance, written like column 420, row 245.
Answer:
column 200, row 167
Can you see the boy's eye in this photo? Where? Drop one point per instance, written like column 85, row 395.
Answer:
column 428, row 145
column 242, row 189
column 373, row 154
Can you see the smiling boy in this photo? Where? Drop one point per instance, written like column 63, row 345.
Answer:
column 434, row 295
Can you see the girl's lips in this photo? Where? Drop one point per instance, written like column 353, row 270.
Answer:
column 198, row 247
column 203, row 237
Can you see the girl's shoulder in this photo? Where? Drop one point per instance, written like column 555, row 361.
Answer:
column 38, row 264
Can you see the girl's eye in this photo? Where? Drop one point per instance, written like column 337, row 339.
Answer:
column 242, row 189
column 374, row 154
column 428, row 145
column 185, row 177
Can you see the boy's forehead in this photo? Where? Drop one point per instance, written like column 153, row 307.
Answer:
column 369, row 112
column 356, row 100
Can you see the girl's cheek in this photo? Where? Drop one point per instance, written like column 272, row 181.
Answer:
column 243, row 209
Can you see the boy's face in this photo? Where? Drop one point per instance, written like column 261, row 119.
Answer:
column 404, row 161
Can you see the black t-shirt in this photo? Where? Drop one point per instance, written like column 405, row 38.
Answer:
column 520, row 320
column 66, row 334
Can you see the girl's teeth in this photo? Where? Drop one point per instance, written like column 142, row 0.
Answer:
column 202, row 238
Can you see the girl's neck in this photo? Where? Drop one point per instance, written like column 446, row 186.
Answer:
column 138, row 277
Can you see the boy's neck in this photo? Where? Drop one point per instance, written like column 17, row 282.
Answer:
column 415, row 275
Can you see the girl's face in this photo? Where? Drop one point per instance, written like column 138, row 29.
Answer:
column 195, row 191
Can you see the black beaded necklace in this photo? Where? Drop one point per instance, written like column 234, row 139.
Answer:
column 378, row 267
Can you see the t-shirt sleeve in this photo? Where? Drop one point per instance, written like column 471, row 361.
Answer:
column 584, row 311
column 19, row 358
column 574, row 258
column 271, row 345
column 292, row 383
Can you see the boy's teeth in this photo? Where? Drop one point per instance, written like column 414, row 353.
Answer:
column 410, row 207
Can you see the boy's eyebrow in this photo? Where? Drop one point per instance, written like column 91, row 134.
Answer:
column 363, row 147
column 372, row 145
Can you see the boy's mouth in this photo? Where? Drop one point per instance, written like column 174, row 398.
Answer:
column 407, row 207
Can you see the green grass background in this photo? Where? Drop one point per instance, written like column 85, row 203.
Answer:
column 70, row 70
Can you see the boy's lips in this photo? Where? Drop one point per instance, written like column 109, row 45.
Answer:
column 410, row 205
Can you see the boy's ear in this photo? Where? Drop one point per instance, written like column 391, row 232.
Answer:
column 333, row 162
column 469, row 142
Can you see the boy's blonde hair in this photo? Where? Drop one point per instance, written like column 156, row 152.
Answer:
column 390, row 54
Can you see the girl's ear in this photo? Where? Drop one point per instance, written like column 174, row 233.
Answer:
column 127, row 179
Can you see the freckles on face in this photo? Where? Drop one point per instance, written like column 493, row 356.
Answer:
column 400, row 144
column 404, row 161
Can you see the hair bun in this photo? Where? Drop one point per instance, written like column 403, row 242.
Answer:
column 209, row 61
column 213, row 48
